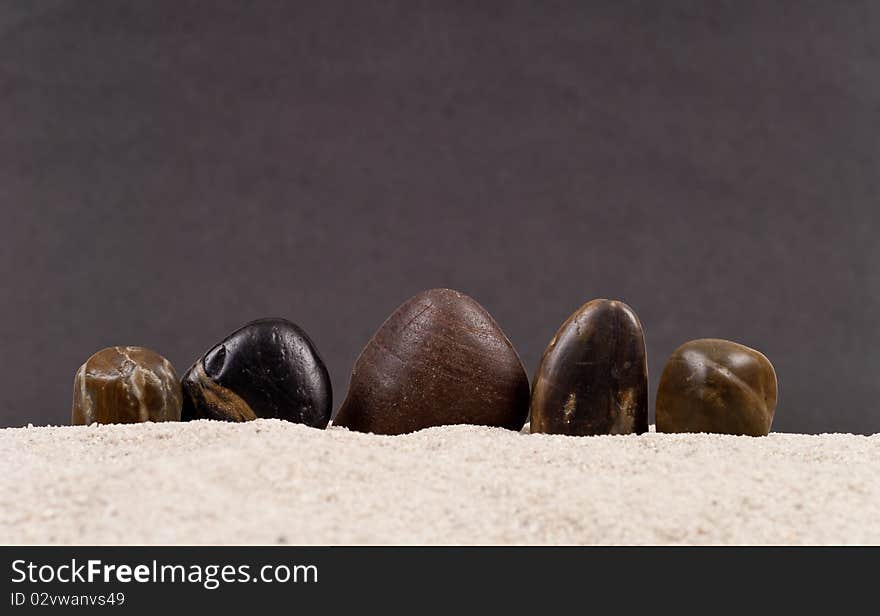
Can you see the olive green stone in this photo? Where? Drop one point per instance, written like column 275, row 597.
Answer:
column 593, row 377
column 719, row 386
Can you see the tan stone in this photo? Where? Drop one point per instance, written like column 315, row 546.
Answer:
column 126, row 385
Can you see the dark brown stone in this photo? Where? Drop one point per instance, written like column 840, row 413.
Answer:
column 593, row 377
column 717, row 386
column 126, row 385
column 439, row 359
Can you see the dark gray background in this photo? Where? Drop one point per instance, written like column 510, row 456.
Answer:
column 171, row 170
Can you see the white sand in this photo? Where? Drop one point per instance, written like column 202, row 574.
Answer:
column 270, row 482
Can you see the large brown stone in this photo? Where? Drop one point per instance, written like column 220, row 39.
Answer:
column 593, row 377
column 712, row 385
column 125, row 385
column 439, row 359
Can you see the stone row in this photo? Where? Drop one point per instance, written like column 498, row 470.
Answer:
column 441, row 359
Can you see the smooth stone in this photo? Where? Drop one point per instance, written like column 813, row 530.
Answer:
column 439, row 359
column 125, row 385
column 719, row 386
column 268, row 369
column 593, row 377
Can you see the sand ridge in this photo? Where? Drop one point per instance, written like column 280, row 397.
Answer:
column 268, row 482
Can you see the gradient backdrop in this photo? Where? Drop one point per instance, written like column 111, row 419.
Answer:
column 171, row 170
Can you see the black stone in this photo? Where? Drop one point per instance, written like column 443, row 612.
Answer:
column 267, row 369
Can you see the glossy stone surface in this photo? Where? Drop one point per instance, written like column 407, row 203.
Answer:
column 712, row 385
column 439, row 359
column 268, row 369
column 593, row 377
column 125, row 385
